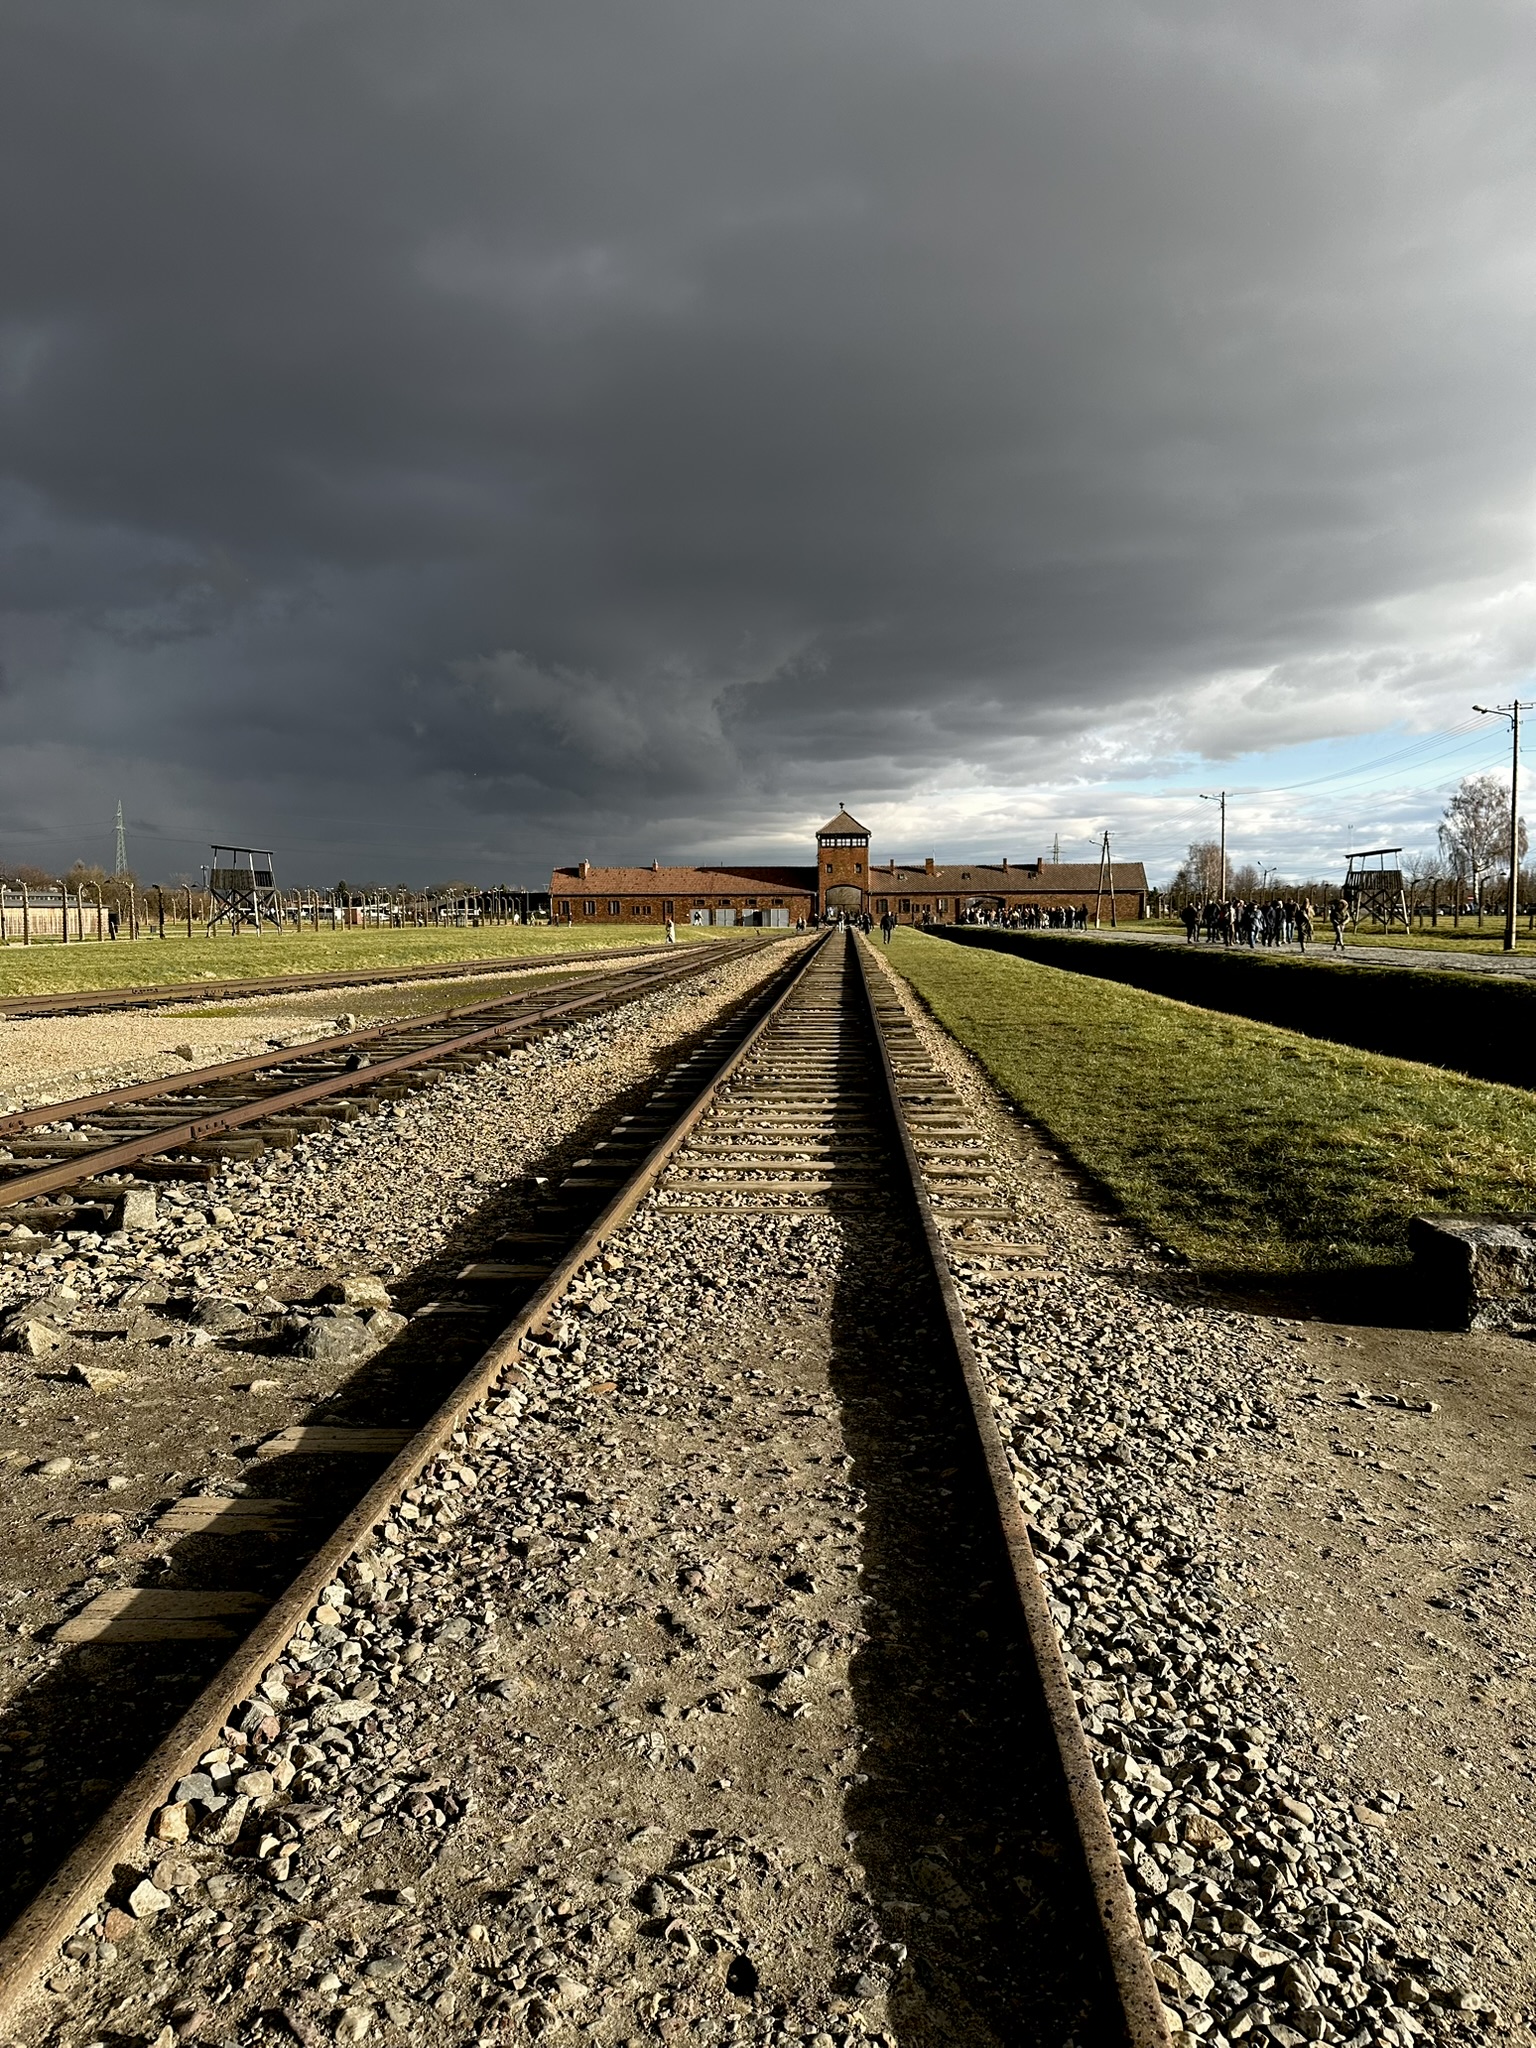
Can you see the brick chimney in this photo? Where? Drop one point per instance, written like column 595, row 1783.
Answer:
column 1005, row 863
column 928, row 865
column 586, row 869
column 655, row 867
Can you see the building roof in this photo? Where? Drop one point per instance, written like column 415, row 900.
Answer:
column 657, row 881
column 842, row 823
column 991, row 878
column 773, row 878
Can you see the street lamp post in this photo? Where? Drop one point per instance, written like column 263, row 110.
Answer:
column 1220, row 798
column 1512, row 713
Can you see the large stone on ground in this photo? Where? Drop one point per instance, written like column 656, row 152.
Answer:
column 333, row 1340
column 134, row 1209
column 31, row 1336
column 1478, row 1272
column 357, row 1290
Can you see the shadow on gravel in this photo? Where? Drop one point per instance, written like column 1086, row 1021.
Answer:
column 961, row 1825
column 84, row 1724
column 1386, row 1297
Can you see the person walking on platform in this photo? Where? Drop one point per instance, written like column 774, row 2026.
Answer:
column 1336, row 917
column 671, row 931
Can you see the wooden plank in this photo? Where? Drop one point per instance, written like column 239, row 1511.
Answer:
column 147, row 1615
column 696, row 1184
column 323, row 1439
column 505, row 1269
column 227, row 1517
column 981, row 1248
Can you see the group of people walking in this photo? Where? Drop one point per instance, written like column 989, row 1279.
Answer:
column 1280, row 923
column 1029, row 917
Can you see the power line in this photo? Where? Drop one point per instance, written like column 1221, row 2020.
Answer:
column 1414, row 748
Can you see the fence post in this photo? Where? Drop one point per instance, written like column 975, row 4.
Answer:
column 26, row 917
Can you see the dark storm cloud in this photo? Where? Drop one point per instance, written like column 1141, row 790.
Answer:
column 425, row 427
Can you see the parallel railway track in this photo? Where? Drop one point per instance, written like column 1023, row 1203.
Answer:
column 163, row 995
column 819, row 1113
column 89, row 1143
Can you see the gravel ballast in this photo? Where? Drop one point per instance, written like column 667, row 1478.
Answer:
column 1148, row 1431
column 681, row 1697
column 641, row 1564
column 152, row 1365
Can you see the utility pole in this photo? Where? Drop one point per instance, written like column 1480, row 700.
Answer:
column 1220, row 798
column 120, row 859
column 1106, row 878
column 1512, row 713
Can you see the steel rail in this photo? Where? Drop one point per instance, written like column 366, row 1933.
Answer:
column 197, row 1128
column 30, row 1944
column 1125, row 1952
column 149, row 995
column 254, row 1063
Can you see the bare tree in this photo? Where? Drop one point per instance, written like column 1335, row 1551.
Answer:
column 1474, row 833
column 1202, row 869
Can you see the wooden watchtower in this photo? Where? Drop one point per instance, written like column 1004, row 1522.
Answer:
column 241, row 889
column 1376, row 892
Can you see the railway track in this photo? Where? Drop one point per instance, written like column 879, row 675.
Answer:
column 171, row 1129
column 814, row 1560
column 157, row 995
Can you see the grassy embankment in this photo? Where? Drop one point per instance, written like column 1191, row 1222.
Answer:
column 1241, row 1145
column 33, row 970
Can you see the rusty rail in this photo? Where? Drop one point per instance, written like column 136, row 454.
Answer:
column 198, row 1127
column 150, row 995
column 1125, row 1950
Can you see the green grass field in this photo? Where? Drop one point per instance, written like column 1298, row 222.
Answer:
column 1240, row 1145
column 35, row 970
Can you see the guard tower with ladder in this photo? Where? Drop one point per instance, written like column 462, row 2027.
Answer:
column 1376, row 892
column 241, row 889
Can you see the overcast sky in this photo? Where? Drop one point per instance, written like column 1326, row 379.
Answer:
column 439, row 439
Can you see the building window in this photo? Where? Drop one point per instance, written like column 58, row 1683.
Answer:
column 906, row 903
column 613, row 906
column 565, row 909
column 940, row 906
column 883, row 905
column 843, row 839
column 669, row 910
column 590, row 908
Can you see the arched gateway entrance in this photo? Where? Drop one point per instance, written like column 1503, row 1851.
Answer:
column 842, row 866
